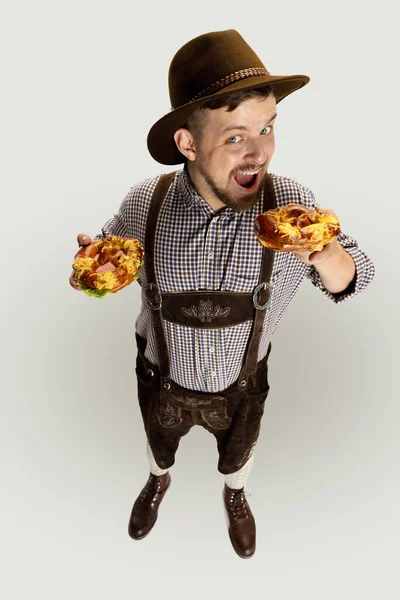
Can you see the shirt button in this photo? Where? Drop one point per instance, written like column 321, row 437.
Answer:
column 211, row 255
column 211, row 350
column 213, row 374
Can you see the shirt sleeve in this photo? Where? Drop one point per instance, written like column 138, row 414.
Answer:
column 365, row 269
column 130, row 220
column 118, row 224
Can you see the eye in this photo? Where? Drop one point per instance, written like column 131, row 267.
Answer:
column 233, row 139
column 265, row 130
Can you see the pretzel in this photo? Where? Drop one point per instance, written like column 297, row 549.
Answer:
column 295, row 227
column 126, row 256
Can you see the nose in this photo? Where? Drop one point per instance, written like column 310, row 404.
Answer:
column 257, row 151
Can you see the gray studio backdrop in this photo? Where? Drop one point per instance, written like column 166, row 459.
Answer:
column 82, row 84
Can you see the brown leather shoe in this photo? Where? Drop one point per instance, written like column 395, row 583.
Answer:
column 242, row 527
column 145, row 510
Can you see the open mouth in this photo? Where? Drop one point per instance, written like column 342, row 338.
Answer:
column 247, row 180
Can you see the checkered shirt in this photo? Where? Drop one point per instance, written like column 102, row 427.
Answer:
column 197, row 248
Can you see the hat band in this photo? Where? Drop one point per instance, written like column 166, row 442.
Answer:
column 236, row 76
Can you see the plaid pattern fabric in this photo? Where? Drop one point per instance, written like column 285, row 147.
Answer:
column 196, row 249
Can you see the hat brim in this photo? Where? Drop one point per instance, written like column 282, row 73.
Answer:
column 160, row 140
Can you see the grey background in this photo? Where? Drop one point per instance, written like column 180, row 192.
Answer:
column 82, row 84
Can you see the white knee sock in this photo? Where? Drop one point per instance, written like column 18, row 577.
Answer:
column 238, row 479
column 235, row 480
column 154, row 468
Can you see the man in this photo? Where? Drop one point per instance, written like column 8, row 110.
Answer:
column 212, row 296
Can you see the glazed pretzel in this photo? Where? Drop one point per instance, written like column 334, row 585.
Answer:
column 125, row 255
column 295, row 227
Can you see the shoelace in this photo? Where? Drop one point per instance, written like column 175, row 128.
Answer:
column 152, row 489
column 239, row 505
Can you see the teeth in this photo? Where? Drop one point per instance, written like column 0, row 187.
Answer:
column 248, row 172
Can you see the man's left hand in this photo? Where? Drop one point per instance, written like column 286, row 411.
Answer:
column 330, row 251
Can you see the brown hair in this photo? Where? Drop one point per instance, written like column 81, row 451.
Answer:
column 231, row 101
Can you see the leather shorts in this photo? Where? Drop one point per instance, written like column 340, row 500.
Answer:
column 233, row 416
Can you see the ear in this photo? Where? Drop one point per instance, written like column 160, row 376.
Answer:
column 185, row 143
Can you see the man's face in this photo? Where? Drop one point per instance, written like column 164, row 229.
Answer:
column 234, row 150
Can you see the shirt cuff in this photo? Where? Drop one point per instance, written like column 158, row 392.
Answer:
column 98, row 237
column 364, row 274
column 114, row 226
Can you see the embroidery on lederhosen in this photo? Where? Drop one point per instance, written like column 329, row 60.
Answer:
column 250, row 451
column 205, row 311
column 190, row 403
column 217, row 418
column 169, row 416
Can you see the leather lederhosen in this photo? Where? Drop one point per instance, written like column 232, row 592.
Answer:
column 169, row 410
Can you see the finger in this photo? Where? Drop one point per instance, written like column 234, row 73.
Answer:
column 83, row 239
column 330, row 212
column 303, row 256
column 317, row 254
column 73, row 283
column 314, row 255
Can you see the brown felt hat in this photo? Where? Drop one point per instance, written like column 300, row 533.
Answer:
column 209, row 66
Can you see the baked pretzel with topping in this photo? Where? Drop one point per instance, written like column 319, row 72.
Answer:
column 108, row 265
column 294, row 227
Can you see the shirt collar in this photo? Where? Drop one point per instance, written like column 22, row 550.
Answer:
column 191, row 197
column 186, row 188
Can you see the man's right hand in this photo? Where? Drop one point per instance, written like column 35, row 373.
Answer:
column 83, row 240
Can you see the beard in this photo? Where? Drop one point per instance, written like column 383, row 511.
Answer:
column 229, row 199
